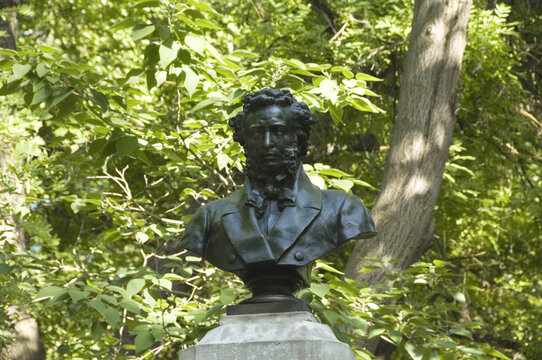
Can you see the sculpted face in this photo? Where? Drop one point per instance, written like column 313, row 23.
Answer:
column 271, row 138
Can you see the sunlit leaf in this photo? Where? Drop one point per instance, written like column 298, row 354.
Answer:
column 140, row 31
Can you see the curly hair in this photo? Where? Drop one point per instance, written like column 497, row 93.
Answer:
column 255, row 101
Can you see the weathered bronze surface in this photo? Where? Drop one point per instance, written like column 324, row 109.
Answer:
column 271, row 230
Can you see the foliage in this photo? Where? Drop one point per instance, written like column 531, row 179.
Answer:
column 419, row 314
column 113, row 116
column 490, row 225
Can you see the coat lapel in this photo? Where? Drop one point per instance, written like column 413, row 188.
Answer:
column 293, row 220
column 241, row 226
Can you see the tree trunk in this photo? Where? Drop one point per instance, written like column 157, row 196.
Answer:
column 420, row 140
column 27, row 345
column 9, row 26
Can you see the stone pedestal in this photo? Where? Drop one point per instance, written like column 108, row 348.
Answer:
column 278, row 336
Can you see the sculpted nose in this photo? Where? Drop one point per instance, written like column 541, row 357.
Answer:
column 266, row 139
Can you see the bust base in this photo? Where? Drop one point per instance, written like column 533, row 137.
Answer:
column 283, row 304
column 278, row 336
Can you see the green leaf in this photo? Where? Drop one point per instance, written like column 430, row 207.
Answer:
column 97, row 329
column 101, row 100
column 375, row 331
column 295, row 63
column 362, row 104
column 143, row 341
column 222, row 160
column 145, row 4
column 141, row 30
column 9, row 88
column 151, row 79
column 40, row 95
column 331, row 316
column 203, row 104
column 396, row 336
column 77, row 205
column 49, row 49
column 317, row 180
column 161, row 77
column 50, row 291
column 469, row 350
column 134, row 286
column 19, row 71
column 164, row 32
column 168, row 52
column 5, row 269
column 244, row 53
column 166, row 284
column 7, row 52
column 196, row 43
column 342, row 184
column 202, row 6
column 42, row 70
column 333, row 172
column 131, row 305
column 366, row 77
column 345, row 71
column 123, row 24
column 329, row 90
column 119, row 290
column 98, row 306
column 415, row 351
column 370, row 268
column 227, row 296
column 158, row 332
column 63, row 349
column 126, row 145
column 321, row 265
column 336, row 113
column 27, row 148
column 497, row 354
column 173, row 277
column 213, row 310
column 458, row 295
column 461, row 332
column 191, row 80
column 358, row 323
column 77, row 295
column 363, row 354
column 207, row 24
column 111, row 315
column 320, row 290
column 440, row 263
column 57, row 99
column 149, row 298
column 142, row 237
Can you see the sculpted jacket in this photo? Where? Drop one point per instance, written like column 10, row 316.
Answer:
column 225, row 232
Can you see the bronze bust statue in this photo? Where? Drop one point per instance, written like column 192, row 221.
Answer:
column 271, row 230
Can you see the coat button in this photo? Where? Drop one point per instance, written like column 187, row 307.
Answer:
column 232, row 258
column 299, row 256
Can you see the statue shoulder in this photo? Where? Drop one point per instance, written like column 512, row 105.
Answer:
column 341, row 198
column 211, row 208
column 354, row 218
column 197, row 230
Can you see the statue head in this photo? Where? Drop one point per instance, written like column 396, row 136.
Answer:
column 274, row 130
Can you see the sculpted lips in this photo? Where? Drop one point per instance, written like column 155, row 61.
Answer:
column 270, row 156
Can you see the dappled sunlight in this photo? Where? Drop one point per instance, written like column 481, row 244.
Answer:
column 417, row 185
column 417, row 148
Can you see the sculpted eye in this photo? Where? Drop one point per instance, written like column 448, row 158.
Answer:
column 255, row 131
column 280, row 130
